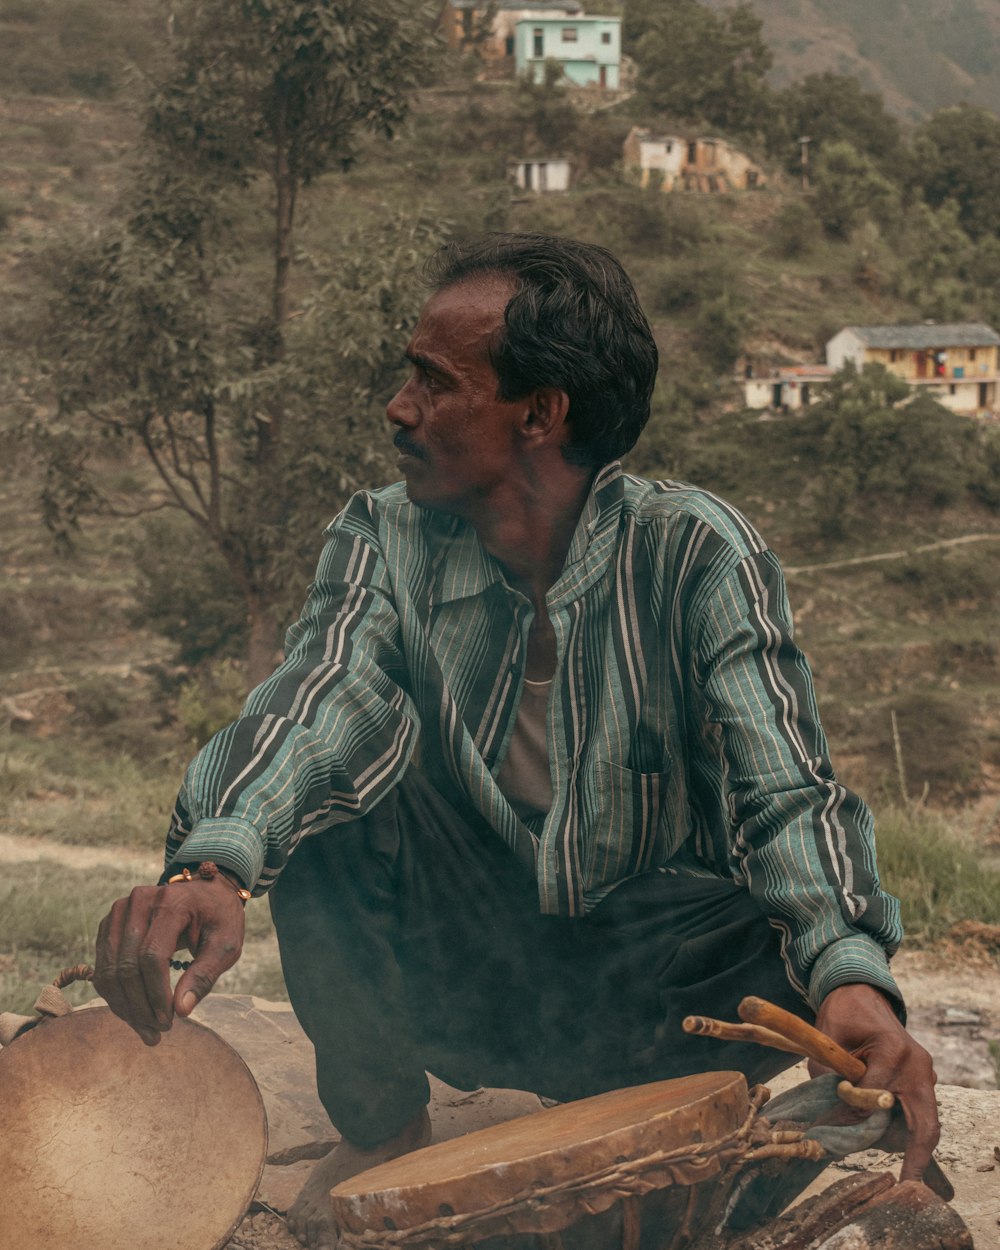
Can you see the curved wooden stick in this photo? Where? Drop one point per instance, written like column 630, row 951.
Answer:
column 865, row 1099
column 706, row 1026
column 810, row 1042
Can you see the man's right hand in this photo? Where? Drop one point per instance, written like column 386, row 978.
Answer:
column 138, row 937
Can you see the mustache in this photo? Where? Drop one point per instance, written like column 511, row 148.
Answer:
column 408, row 448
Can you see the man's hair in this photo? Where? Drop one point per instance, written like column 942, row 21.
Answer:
column 574, row 323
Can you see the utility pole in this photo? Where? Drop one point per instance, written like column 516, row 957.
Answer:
column 804, row 141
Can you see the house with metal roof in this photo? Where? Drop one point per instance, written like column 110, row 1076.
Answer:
column 956, row 362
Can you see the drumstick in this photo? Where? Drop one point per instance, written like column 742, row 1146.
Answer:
column 861, row 1099
column 705, row 1026
column 826, row 1051
column 811, row 1042
column 865, row 1099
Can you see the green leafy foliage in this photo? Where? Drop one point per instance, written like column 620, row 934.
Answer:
column 833, row 108
column 880, row 445
column 165, row 339
column 957, row 158
column 702, row 65
column 849, row 190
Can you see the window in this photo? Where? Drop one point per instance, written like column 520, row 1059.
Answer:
column 605, row 36
column 538, row 40
column 569, row 34
column 972, row 355
column 893, row 355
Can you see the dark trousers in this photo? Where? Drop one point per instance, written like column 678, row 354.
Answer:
column 411, row 942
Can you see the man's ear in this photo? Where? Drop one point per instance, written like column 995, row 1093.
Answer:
column 546, row 415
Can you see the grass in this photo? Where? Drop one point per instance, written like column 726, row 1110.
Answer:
column 80, row 793
column 936, row 872
column 49, row 915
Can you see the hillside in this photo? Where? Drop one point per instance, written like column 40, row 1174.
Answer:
column 920, row 54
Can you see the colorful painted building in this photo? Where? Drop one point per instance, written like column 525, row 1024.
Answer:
column 956, row 362
column 587, row 47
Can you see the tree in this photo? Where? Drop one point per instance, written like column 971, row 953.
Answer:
column 849, row 189
column 706, row 66
column 252, row 401
column 957, row 157
column 830, row 108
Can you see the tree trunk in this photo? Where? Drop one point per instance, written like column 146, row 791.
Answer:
column 263, row 652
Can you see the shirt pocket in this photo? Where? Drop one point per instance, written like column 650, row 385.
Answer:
column 626, row 835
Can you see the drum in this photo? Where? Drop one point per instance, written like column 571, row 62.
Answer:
column 107, row 1144
column 659, row 1159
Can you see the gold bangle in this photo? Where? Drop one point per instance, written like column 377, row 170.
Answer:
column 207, row 871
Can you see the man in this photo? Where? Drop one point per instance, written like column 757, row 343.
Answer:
column 544, row 750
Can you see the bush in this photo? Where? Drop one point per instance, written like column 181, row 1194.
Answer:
column 186, row 593
column 691, row 282
column 796, row 230
column 210, row 700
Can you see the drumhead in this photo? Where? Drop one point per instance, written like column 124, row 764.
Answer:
column 107, row 1144
column 540, row 1152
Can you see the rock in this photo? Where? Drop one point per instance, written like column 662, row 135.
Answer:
column 280, row 1056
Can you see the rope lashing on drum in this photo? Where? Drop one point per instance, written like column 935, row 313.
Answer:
column 593, row 1193
column 49, row 1004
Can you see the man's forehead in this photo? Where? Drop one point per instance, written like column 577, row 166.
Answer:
column 473, row 306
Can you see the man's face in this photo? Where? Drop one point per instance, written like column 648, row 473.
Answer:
column 456, row 439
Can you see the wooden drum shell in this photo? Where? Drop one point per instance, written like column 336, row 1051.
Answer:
column 545, row 1172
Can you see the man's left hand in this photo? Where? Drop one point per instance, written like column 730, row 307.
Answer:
column 860, row 1018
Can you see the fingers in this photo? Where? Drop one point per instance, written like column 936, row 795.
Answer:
column 911, row 1078
column 139, row 935
column 118, row 977
column 218, row 949
column 861, row 1019
column 106, row 979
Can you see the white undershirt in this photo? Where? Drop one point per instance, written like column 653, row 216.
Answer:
column 524, row 776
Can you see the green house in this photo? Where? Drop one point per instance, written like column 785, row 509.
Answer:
column 587, row 47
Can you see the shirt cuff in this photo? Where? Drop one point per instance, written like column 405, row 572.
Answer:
column 227, row 841
column 851, row 961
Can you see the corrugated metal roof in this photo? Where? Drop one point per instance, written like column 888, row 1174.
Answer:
column 923, row 336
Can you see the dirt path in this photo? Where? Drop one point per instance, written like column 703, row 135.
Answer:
column 894, row 555
column 16, row 849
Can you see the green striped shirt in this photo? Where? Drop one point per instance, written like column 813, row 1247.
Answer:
column 683, row 732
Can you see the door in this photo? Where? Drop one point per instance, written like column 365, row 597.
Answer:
column 603, row 80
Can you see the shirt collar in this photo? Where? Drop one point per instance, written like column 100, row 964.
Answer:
column 465, row 568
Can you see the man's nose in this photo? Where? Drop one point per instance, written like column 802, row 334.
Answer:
column 401, row 410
